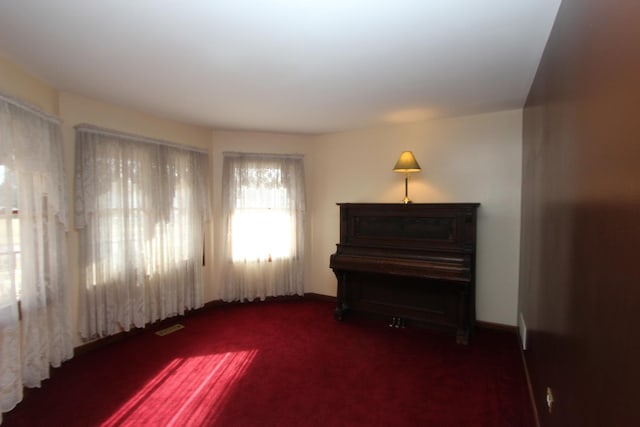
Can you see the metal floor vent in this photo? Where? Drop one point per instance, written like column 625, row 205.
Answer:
column 167, row 331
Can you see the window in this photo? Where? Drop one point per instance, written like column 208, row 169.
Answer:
column 264, row 205
column 35, row 316
column 140, row 208
column 10, row 256
column 261, row 221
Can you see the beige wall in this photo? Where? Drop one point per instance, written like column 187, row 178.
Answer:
column 16, row 82
column 465, row 159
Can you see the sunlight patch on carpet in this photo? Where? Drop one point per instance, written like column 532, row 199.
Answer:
column 188, row 391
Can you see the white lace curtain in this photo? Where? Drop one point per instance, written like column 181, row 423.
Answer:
column 140, row 208
column 35, row 322
column 263, row 206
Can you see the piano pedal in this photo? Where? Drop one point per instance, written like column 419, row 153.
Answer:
column 397, row 322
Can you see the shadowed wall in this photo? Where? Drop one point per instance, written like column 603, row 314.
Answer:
column 579, row 275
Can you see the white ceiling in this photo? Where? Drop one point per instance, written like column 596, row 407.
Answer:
column 309, row 66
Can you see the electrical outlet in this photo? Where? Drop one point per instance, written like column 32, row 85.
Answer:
column 550, row 400
column 523, row 331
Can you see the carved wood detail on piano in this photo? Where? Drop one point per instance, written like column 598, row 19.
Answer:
column 412, row 264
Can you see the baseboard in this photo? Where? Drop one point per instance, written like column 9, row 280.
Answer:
column 532, row 399
column 111, row 339
column 218, row 303
column 102, row 342
column 160, row 324
column 497, row 326
column 321, row 297
column 479, row 324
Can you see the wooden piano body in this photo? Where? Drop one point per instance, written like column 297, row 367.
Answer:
column 413, row 263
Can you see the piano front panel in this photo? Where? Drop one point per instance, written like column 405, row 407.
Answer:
column 417, row 226
column 400, row 227
column 404, row 297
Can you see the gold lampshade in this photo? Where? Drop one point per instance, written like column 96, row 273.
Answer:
column 407, row 163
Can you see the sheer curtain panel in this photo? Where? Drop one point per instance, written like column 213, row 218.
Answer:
column 263, row 206
column 35, row 323
column 140, row 205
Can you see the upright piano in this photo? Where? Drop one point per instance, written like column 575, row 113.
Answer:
column 409, row 263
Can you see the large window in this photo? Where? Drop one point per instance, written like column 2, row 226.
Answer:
column 264, row 206
column 140, row 208
column 35, row 316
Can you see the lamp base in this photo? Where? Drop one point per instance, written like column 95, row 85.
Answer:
column 406, row 200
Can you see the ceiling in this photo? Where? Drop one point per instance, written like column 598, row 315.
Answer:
column 309, row 66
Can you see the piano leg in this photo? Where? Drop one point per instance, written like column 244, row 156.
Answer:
column 462, row 336
column 462, row 333
column 341, row 307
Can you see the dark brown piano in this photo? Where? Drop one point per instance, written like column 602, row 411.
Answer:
column 412, row 264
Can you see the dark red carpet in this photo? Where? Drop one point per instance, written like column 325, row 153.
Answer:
column 286, row 363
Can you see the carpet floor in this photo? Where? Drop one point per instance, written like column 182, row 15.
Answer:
column 286, row 363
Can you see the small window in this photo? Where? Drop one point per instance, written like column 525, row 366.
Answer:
column 10, row 255
column 263, row 204
column 261, row 223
